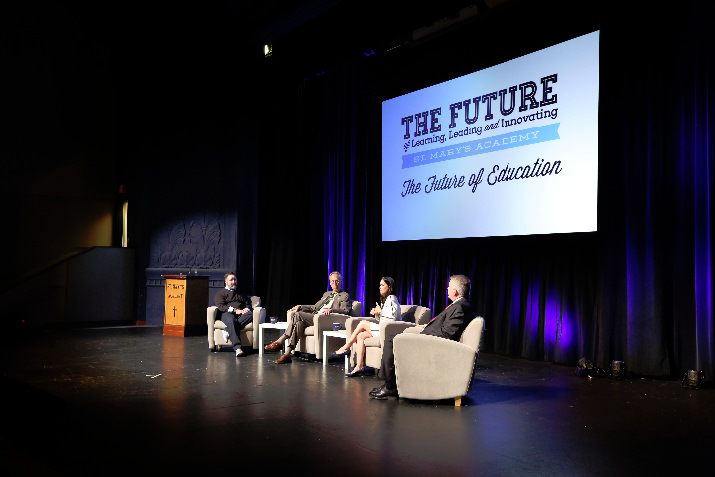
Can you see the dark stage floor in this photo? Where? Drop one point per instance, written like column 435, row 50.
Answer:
column 130, row 400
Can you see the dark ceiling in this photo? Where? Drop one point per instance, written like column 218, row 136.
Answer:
column 269, row 20
column 318, row 31
column 132, row 30
column 182, row 62
column 320, row 25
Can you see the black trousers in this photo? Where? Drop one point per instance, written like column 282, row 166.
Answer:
column 388, row 363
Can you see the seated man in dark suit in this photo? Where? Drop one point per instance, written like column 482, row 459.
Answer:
column 235, row 311
column 301, row 316
column 449, row 325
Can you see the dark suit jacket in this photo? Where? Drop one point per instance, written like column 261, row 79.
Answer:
column 452, row 321
column 341, row 304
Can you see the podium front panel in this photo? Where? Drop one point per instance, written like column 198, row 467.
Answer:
column 185, row 302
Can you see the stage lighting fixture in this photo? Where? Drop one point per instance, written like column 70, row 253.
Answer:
column 692, row 379
column 618, row 369
column 586, row 369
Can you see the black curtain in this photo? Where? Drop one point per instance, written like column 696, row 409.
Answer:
column 316, row 211
column 638, row 290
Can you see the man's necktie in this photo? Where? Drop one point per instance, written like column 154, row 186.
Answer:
column 317, row 310
column 430, row 321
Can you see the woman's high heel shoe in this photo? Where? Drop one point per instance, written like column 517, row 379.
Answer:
column 354, row 374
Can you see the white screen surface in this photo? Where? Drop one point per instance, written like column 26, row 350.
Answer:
column 525, row 161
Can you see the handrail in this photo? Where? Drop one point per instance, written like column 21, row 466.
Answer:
column 46, row 267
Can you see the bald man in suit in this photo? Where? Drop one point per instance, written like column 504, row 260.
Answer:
column 448, row 325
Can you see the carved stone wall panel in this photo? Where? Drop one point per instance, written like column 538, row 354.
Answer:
column 192, row 231
column 191, row 243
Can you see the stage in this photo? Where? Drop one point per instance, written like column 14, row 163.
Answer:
column 114, row 401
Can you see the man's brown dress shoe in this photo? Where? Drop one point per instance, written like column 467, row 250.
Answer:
column 284, row 359
column 273, row 346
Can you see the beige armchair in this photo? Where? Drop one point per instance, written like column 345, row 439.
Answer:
column 249, row 333
column 411, row 315
column 312, row 341
column 428, row 367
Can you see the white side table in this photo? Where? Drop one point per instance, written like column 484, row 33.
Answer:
column 333, row 334
column 281, row 325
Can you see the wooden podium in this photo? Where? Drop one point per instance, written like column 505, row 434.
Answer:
column 186, row 298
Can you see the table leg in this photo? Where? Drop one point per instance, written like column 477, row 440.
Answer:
column 261, row 330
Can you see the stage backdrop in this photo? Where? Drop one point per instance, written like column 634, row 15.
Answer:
column 640, row 289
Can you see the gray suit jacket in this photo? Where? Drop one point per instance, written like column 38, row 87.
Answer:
column 341, row 304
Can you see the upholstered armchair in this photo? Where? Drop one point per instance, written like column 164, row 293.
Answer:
column 312, row 341
column 249, row 333
column 428, row 367
column 411, row 315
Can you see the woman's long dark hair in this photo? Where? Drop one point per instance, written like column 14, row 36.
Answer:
column 390, row 282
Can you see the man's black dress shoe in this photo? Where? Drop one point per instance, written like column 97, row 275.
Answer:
column 375, row 390
column 385, row 393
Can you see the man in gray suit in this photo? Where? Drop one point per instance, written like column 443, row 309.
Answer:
column 301, row 316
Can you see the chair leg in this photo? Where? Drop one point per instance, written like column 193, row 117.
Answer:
column 458, row 401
